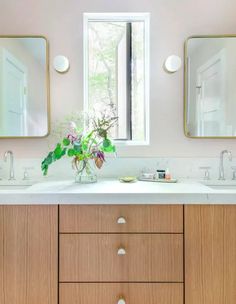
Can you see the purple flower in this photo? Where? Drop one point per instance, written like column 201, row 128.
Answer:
column 72, row 138
column 101, row 155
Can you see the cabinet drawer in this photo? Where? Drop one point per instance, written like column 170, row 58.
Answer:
column 111, row 293
column 145, row 258
column 121, row 218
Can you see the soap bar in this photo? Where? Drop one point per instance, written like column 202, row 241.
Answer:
column 128, row 179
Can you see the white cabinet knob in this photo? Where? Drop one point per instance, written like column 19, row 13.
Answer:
column 121, row 301
column 121, row 220
column 121, row 251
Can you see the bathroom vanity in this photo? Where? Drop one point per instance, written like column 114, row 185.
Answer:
column 117, row 251
column 111, row 242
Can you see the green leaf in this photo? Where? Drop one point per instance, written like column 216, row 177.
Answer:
column 66, row 141
column 84, row 146
column 63, row 152
column 57, row 152
column 46, row 162
column 45, row 169
column 89, row 135
column 106, row 143
column 71, row 152
column 107, row 149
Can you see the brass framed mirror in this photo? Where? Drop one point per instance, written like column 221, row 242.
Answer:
column 24, row 87
column 210, row 87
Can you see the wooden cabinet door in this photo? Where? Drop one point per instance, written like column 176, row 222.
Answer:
column 96, row 258
column 28, row 254
column 130, row 293
column 136, row 218
column 210, row 254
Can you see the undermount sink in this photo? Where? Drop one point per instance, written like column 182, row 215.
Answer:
column 223, row 187
column 14, row 187
column 221, row 184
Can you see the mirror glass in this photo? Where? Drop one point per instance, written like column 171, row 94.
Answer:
column 210, row 90
column 24, row 87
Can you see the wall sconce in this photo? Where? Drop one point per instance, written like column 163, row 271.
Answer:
column 61, row 64
column 172, row 64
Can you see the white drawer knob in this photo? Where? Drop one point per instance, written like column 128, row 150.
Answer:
column 121, row 220
column 121, row 251
column 121, row 301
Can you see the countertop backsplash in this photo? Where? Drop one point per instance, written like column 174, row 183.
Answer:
column 117, row 167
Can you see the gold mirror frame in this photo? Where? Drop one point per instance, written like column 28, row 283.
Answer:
column 186, row 133
column 47, row 85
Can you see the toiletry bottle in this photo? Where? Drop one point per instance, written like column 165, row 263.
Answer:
column 167, row 175
column 160, row 174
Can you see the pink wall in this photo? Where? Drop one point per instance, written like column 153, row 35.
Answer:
column 172, row 21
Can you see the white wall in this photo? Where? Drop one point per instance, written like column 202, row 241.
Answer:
column 172, row 21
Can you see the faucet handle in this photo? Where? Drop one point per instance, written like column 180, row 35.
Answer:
column 26, row 175
column 234, row 172
column 207, row 172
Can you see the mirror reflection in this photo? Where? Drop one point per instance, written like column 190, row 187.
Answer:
column 23, row 87
column 210, row 101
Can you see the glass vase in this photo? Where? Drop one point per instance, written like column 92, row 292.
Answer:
column 85, row 173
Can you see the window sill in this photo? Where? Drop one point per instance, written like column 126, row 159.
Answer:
column 127, row 143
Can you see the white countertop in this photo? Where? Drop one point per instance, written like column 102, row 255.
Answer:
column 111, row 191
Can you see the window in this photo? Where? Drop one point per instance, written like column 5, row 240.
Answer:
column 116, row 71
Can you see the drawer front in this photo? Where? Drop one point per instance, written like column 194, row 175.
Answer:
column 121, row 218
column 121, row 293
column 121, row 257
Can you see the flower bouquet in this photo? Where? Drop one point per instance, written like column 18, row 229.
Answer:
column 87, row 149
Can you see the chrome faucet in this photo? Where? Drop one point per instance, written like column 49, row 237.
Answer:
column 11, row 174
column 221, row 167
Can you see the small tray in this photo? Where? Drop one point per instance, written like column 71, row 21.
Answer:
column 167, row 181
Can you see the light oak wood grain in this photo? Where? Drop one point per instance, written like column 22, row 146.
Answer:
column 210, row 254
column 139, row 218
column 148, row 258
column 132, row 293
column 28, row 254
